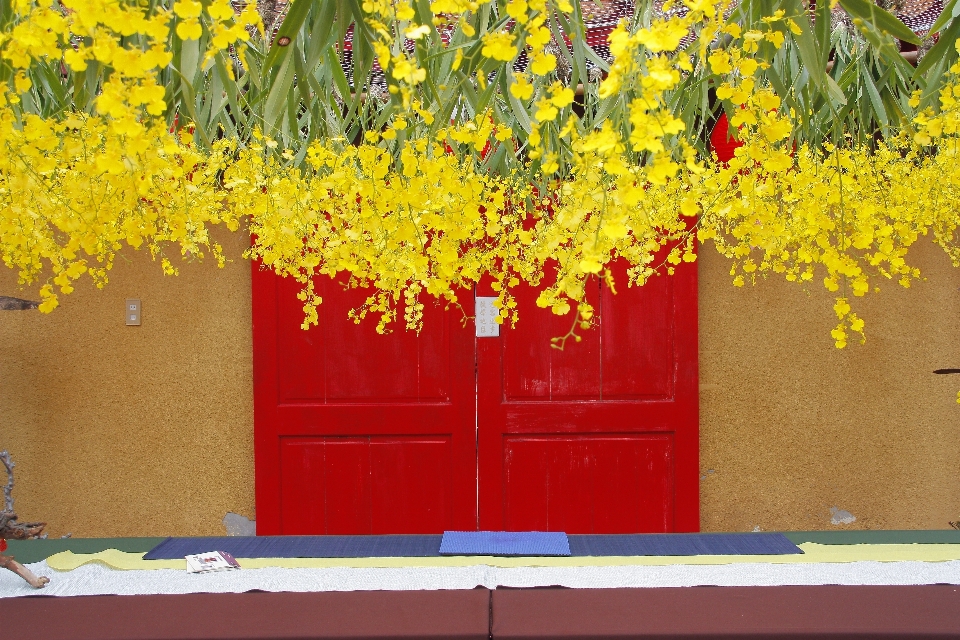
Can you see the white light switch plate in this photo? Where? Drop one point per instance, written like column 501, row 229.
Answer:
column 486, row 313
column 132, row 312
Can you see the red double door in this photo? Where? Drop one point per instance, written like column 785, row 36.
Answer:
column 360, row 433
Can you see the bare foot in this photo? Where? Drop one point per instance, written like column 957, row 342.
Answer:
column 33, row 580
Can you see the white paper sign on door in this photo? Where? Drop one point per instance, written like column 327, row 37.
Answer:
column 487, row 326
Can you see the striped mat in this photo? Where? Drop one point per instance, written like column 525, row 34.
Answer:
column 421, row 546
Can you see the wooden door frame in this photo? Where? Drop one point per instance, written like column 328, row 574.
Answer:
column 266, row 446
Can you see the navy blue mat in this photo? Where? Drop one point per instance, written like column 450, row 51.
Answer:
column 424, row 546
column 402, row 546
column 682, row 544
column 504, row 543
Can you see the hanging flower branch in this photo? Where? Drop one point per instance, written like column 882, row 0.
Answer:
column 419, row 146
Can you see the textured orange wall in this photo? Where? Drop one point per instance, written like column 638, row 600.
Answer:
column 126, row 431
column 133, row 431
column 792, row 426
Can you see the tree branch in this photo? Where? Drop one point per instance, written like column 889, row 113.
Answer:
column 16, row 304
column 9, row 527
column 8, row 489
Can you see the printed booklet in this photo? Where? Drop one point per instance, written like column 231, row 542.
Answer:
column 211, row 561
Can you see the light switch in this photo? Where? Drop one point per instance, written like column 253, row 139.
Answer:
column 486, row 314
column 133, row 310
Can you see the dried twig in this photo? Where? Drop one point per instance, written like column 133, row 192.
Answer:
column 10, row 528
column 16, row 304
column 7, row 490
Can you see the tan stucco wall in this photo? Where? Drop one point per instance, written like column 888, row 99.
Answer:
column 126, row 431
column 133, row 431
column 792, row 426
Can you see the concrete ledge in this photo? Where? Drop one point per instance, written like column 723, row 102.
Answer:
column 461, row 615
column 862, row 612
column 728, row 612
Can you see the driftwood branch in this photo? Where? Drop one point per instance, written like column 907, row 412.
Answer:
column 16, row 304
column 7, row 562
column 8, row 489
column 10, row 528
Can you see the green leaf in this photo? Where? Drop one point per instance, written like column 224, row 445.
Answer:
column 53, row 87
column 933, row 83
column 879, row 19
column 233, row 91
column 578, row 43
column 325, row 29
column 822, row 29
column 189, row 103
column 875, row 101
column 788, row 97
column 288, row 31
column 189, row 60
column 336, row 70
column 300, row 73
column 519, row 111
column 834, row 91
column 807, row 46
column 277, row 99
column 950, row 10
column 945, row 50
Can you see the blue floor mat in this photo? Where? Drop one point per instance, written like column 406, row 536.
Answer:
column 682, row 544
column 504, row 543
column 425, row 546
column 404, row 546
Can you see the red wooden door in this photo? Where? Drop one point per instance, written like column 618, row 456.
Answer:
column 361, row 433
column 601, row 437
column 355, row 432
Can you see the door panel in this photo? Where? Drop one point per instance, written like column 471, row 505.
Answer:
column 408, row 367
column 357, row 432
column 640, row 329
column 602, row 483
column 365, row 485
column 532, row 370
column 602, row 436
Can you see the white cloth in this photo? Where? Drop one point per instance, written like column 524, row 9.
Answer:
column 98, row 579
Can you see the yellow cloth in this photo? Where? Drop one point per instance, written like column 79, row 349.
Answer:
column 812, row 552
